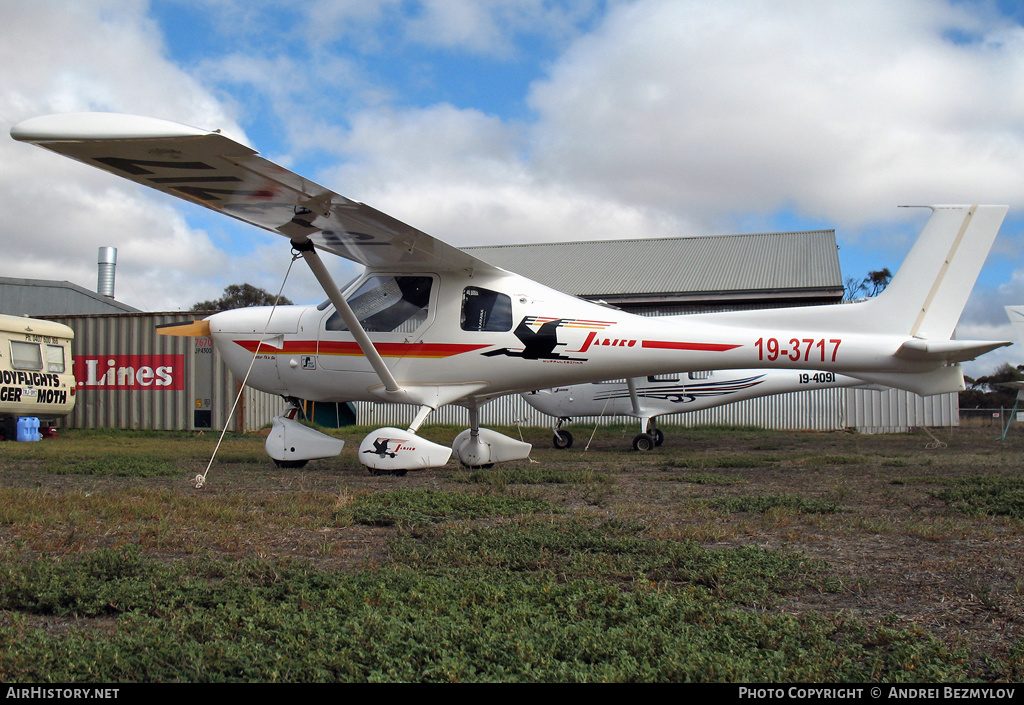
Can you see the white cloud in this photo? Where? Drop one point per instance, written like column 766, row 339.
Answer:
column 841, row 109
column 460, row 175
column 54, row 214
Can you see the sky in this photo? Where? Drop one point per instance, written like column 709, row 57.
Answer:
column 500, row 121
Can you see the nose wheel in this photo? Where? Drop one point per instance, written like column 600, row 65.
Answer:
column 643, row 442
column 649, row 441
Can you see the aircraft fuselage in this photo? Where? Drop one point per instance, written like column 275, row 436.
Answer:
column 529, row 337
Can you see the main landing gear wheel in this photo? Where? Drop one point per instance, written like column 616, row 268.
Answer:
column 644, row 442
column 562, row 439
column 290, row 463
column 658, row 436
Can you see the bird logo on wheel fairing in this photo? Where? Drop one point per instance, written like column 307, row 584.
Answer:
column 380, row 447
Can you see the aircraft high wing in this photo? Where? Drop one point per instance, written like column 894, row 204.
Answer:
column 647, row 398
column 428, row 324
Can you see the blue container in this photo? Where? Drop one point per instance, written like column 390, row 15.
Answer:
column 28, row 429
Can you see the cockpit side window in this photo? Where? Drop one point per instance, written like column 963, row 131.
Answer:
column 662, row 378
column 388, row 304
column 485, row 310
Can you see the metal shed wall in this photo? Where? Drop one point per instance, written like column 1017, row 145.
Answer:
column 117, row 342
column 867, row 411
column 508, row 410
column 897, row 411
column 820, row 409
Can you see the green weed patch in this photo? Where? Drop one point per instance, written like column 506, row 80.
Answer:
column 417, row 506
column 618, row 553
column 699, row 462
column 819, row 460
column 707, row 478
column 119, row 465
column 981, row 494
column 500, row 476
column 760, row 504
column 204, row 621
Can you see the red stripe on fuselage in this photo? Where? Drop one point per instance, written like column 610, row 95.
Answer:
column 704, row 347
column 310, row 347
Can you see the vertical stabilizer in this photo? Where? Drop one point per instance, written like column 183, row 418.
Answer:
column 925, row 298
column 928, row 293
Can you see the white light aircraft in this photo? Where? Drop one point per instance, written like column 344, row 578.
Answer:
column 647, row 398
column 427, row 324
column 1016, row 316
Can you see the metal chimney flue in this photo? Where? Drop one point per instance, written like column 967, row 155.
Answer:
column 106, row 262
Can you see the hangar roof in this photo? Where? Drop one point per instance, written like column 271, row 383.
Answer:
column 43, row 297
column 768, row 265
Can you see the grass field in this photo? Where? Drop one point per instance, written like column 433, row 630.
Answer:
column 735, row 555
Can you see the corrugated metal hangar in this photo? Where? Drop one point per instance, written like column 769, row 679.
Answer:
column 128, row 377
column 42, row 297
column 672, row 276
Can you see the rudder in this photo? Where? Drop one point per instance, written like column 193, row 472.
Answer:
column 929, row 292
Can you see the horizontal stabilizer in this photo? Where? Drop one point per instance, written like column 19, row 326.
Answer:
column 872, row 387
column 187, row 329
column 947, row 350
column 942, row 380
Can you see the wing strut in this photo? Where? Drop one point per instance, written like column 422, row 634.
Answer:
column 309, row 253
column 633, row 397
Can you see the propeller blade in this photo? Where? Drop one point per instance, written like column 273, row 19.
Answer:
column 187, row 329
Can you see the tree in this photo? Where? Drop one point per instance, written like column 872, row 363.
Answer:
column 871, row 285
column 240, row 296
column 988, row 392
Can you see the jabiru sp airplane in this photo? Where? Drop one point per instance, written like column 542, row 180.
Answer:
column 647, row 398
column 427, row 324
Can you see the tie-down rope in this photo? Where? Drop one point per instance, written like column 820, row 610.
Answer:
column 201, row 479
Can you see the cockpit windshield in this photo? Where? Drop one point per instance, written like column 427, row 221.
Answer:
column 388, row 304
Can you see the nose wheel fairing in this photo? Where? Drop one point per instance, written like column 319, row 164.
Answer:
column 291, row 443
